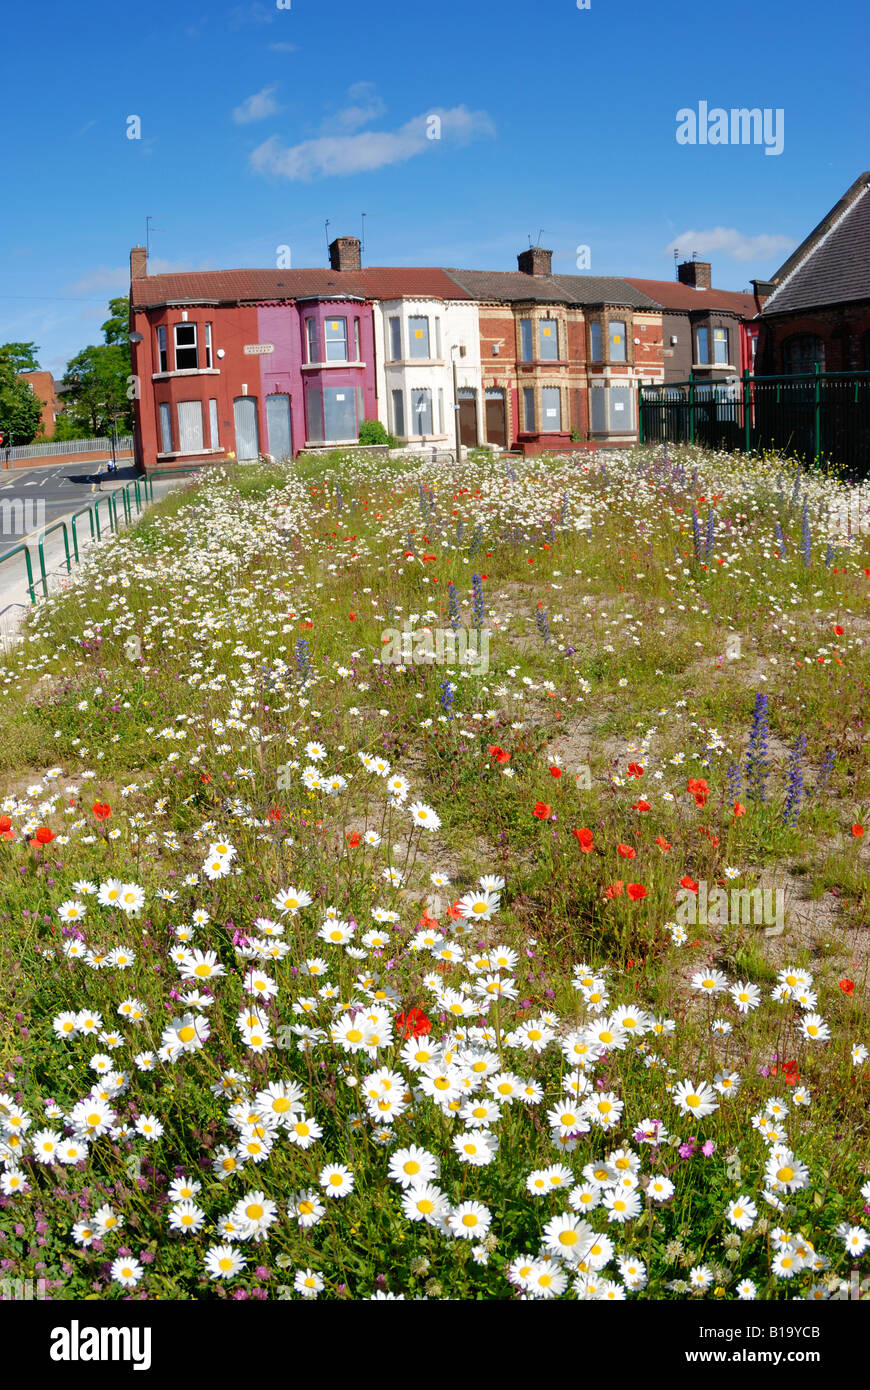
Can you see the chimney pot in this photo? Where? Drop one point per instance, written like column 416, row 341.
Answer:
column 344, row 253
column 696, row 273
column 535, row 261
column 138, row 263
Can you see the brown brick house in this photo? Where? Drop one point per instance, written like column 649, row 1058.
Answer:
column 818, row 310
column 708, row 332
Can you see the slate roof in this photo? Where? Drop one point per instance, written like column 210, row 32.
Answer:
column 513, row 286
column 671, row 294
column 832, row 264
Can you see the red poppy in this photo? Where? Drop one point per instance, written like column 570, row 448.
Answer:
column 857, row 831
column 626, row 851
column 739, row 809
column 555, row 772
column 615, row 890
column 354, row 839
column 427, row 920
column 44, row 836
column 206, row 777
column 847, row 986
column 275, row 813
column 499, row 753
column 585, row 839
column 102, row 810
column 5, row 824
column 635, row 770
column 641, row 806
column 453, row 912
column 413, row 1024
column 663, row 844
column 714, row 840
column 542, row 810
column 352, row 617
column 636, row 891
column 689, row 884
column 839, row 630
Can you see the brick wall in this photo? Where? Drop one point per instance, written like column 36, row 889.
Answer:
column 842, row 329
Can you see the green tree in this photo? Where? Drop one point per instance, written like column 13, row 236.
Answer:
column 20, row 409
column 97, row 379
column 23, row 357
column 117, row 326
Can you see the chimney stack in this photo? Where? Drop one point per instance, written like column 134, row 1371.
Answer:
column 695, row 273
column 344, row 253
column 138, row 263
column 535, row 261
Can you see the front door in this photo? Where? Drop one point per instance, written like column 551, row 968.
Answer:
column 468, row 418
column 245, row 417
column 278, row 427
column 496, row 419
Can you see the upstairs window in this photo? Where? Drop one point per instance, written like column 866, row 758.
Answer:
column 336, row 340
column 702, row 338
column 357, row 354
column 311, row 338
column 208, row 361
column 162, row 354
column 548, row 340
column 418, row 332
column 595, row 354
column 186, row 356
column 720, row 346
column 527, row 351
column 395, row 339
column 617, row 341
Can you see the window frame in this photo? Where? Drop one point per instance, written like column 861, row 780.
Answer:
column 612, row 324
column 162, row 349
column 312, row 340
column 394, row 331
column 717, row 360
column 397, row 397
column 338, row 341
column 596, row 341
column 208, row 346
column 799, row 368
column 417, row 391
column 186, row 347
column 527, row 340
column 554, row 328
column 530, row 426
column 547, row 393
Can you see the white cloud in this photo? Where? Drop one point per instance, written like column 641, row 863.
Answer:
column 364, row 105
column 284, row 47
column 337, row 155
column 731, row 243
column 256, row 107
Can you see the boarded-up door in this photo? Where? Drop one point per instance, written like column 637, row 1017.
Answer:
column 468, row 418
column 278, row 426
column 496, row 418
column 245, row 416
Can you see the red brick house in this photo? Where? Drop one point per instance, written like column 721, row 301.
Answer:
column 708, row 332
column 818, row 310
column 43, row 386
column 561, row 354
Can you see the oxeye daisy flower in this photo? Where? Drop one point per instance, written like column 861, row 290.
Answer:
column 126, row 1271
column 336, row 1180
column 224, row 1262
column 469, row 1221
column 695, row 1100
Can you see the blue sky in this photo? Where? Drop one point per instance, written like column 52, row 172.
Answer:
column 259, row 123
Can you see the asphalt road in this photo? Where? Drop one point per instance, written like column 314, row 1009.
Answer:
column 31, row 498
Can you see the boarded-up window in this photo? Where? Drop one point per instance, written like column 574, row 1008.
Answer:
column 421, row 405
column 528, row 409
column 208, row 361
column 356, row 343
column 595, row 341
column 399, row 413
column 418, row 336
column 440, row 410
column 598, row 409
column 617, row 341
column 314, row 414
column 214, row 442
column 190, row 427
column 551, row 405
column 166, row 429
column 621, row 409
column 336, row 340
column 548, row 340
column 339, row 413
column 703, row 337
column 527, row 350
column 162, row 357
column 311, row 339
column 395, row 339
column 438, row 338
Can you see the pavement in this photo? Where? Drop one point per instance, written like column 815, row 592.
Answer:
column 31, row 500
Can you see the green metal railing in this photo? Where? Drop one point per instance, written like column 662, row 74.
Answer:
column 57, row 526
column 29, row 563
column 818, row 416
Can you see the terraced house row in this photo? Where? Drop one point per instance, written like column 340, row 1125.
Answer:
column 271, row 362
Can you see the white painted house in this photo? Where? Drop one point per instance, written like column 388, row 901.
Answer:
column 418, row 340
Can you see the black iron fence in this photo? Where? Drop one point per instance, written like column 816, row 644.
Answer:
column 822, row 417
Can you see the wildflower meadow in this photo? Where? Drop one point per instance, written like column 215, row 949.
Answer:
column 444, row 882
